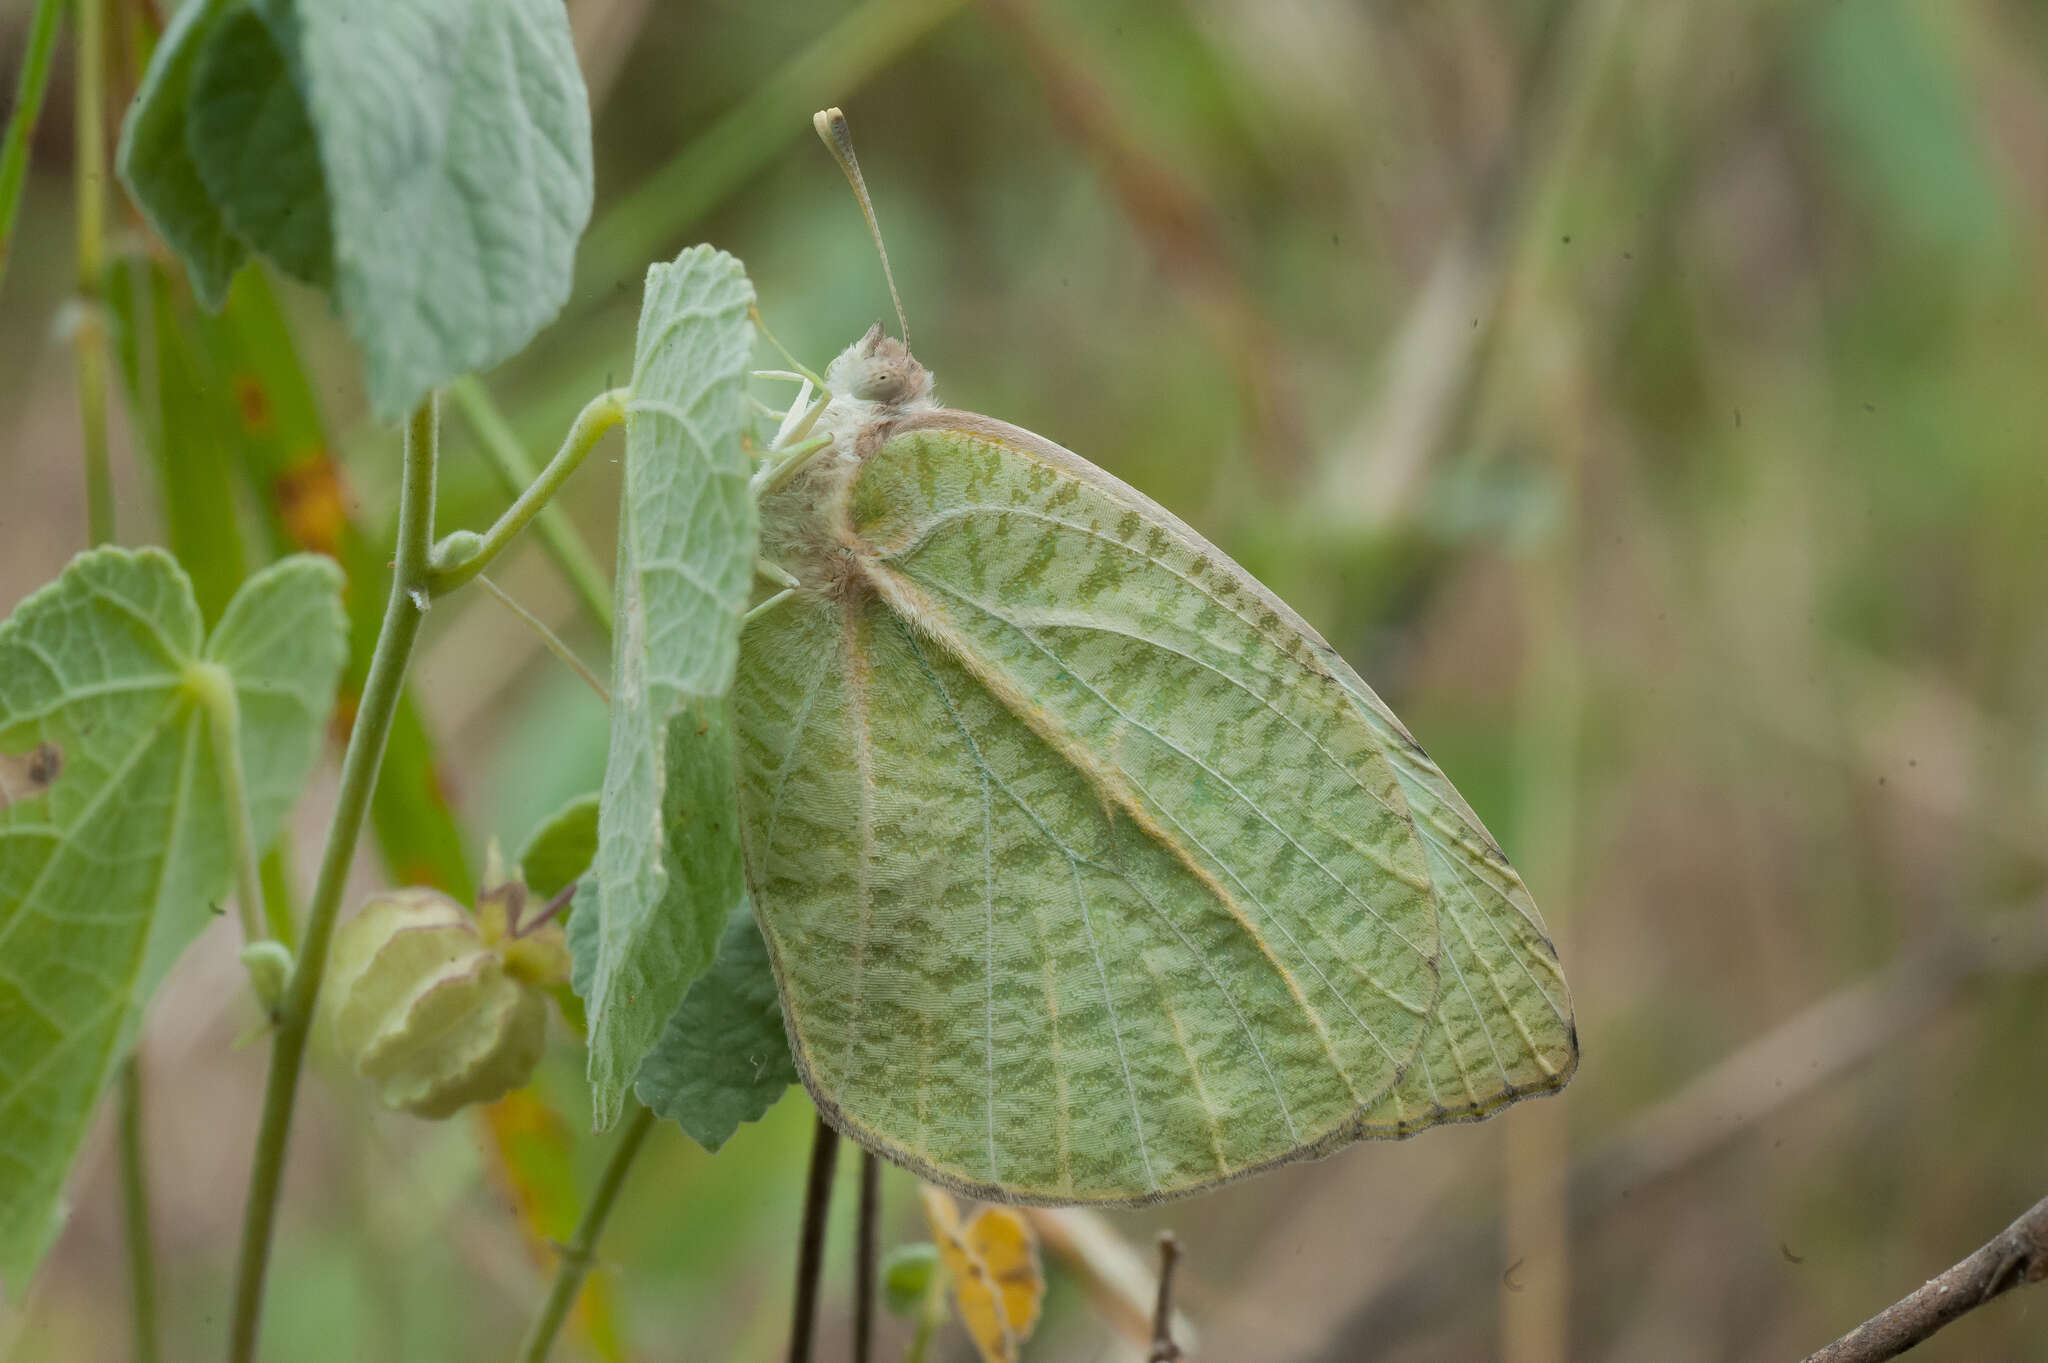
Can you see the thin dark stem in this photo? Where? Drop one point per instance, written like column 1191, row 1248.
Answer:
column 866, row 1249
column 810, row 1253
column 554, row 906
column 2018, row 1254
column 1164, row 1350
column 403, row 613
column 135, row 1205
column 578, row 1254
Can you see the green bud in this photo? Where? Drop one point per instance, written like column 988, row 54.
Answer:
column 456, row 548
column 907, row 1275
column 423, row 1007
column 269, row 965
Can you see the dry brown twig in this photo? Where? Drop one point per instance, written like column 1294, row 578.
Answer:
column 1164, row 1350
column 1112, row 1272
column 1806, row 1051
column 2018, row 1254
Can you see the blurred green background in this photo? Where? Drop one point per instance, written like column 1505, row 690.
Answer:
column 1650, row 399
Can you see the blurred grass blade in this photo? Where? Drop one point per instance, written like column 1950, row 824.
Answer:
column 271, row 420
column 651, row 217
column 166, row 374
column 29, row 88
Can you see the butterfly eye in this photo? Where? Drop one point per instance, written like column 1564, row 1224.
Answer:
column 885, row 383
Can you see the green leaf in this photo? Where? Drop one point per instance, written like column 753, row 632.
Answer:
column 723, row 1058
column 668, row 864
column 252, row 141
column 561, row 849
column 155, row 163
column 110, row 869
column 455, row 137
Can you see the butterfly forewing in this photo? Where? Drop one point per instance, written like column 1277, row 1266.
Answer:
column 1504, row 1028
column 1090, row 872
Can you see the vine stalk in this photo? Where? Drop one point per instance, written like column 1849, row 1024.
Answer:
column 403, row 614
column 582, row 1249
column 89, row 351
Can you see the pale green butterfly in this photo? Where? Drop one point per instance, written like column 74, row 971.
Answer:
column 1089, row 871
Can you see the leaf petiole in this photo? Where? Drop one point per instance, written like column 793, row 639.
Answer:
column 598, row 416
column 558, row 534
column 214, row 688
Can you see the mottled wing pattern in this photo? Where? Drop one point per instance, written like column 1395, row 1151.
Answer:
column 1504, row 1029
column 1088, row 870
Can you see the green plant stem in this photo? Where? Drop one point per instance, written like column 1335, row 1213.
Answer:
column 89, row 343
column 598, row 416
column 557, row 532
column 224, row 725
column 135, row 1205
column 29, row 89
column 89, row 340
column 930, row 1316
column 403, row 614
column 275, row 873
column 579, row 1252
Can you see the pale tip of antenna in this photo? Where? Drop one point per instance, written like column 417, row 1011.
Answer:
column 830, row 125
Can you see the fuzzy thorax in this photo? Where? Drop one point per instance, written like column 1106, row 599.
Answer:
column 874, row 383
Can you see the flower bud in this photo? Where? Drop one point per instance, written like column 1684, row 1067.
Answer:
column 907, row 1276
column 456, row 548
column 422, row 1002
column 270, row 968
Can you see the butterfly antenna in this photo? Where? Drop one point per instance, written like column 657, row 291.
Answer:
column 838, row 139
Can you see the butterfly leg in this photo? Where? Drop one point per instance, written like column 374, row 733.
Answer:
column 754, row 312
column 774, row 473
column 785, row 592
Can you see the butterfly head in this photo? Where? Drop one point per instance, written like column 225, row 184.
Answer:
column 880, row 369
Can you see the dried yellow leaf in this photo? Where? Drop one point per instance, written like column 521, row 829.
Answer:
column 997, row 1279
